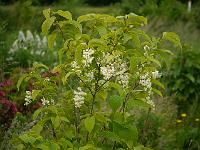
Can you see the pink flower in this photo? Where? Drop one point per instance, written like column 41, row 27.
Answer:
column 2, row 94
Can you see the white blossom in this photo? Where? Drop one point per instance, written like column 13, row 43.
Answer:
column 87, row 55
column 28, row 98
column 45, row 101
column 79, row 97
column 156, row 74
column 145, row 81
column 108, row 71
column 90, row 76
column 44, row 41
column 123, row 80
column 76, row 67
column 29, row 36
column 21, row 37
column 38, row 41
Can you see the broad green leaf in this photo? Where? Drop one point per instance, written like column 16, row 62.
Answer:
column 37, row 128
column 65, row 14
column 129, row 134
column 27, row 138
column 115, row 102
column 89, row 147
column 110, row 135
column 100, row 117
column 46, row 13
column 64, row 119
column 43, row 147
column 136, row 103
column 39, row 65
column 172, row 37
column 55, row 121
column 54, row 146
column 64, row 79
column 51, row 39
column 155, row 61
column 89, row 123
column 190, row 77
column 157, row 92
column 158, row 83
column 21, row 79
column 47, row 24
column 35, row 93
column 133, row 19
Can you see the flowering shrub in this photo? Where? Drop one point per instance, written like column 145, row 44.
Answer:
column 107, row 66
column 28, row 48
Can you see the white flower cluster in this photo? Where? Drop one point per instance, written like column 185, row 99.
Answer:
column 145, row 81
column 28, row 41
column 46, row 102
column 114, row 66
column 87, row 55
column 76, row 67
column 79, row 97
column 28, row 98
column 156, row 74
column 89, row 76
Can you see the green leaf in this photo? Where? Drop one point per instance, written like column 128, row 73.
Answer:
column 47, row 24
column 54, row 146
column 89, row 123
column 155, row 61
column 134, row 19
column 190, row 77
column 65, row 14
column 51, row 39
column 43, row 147
column 37, row 128
column 27, row 138
column 157, row 92
column 35, row 93
column 172, row 37
column 115, row 102
column 158, row 83
column 39, row 65
column 129, row 134
column 55, row 121
column 136, row 103
column 21, row 79
column 46, row 13
column 110, row 135
column 64, row 79
column 100, row 117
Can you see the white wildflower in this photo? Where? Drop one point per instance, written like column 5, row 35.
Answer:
column 76, row 67
column 146, row 48
column 87, row 55
column 156, row 74
column 47, row 79
column 44, row 41
column 21, row 37
column 123, row 80
column 79, row 97
column 28, row 98
column 29, row 36
column 90, row 76
column 15, row 47
column 45, row 102
column 145, row 81
column 108, row 71
column 38, row 41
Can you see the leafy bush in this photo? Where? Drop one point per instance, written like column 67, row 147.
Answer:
column 107, row 66
column 184, row 81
